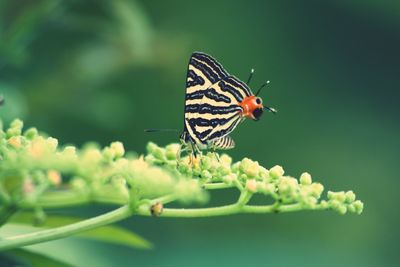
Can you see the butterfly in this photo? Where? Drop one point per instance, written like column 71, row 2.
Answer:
column 215, row 104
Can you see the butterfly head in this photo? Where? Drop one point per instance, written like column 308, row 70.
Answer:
column 253, row 107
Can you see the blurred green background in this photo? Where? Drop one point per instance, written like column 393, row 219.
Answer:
column 105, row 70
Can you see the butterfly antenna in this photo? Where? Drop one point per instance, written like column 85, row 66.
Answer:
column 250, row 76
column 261, row 87
column 274, row 111
column 159, row 130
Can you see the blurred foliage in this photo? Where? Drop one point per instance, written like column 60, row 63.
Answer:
column 24, row 257
column 106, row 70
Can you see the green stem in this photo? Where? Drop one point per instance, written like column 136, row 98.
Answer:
column 165, row 199
column 67, row 230
column 244, row 198
column 214, row 186
column 225, row 210
column 273, row 208
column 202, row 212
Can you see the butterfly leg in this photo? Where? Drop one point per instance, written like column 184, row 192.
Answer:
column 195, row 155
column 182, row 148
column 216, row 155
column 213, row 149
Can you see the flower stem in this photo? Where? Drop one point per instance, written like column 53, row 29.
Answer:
column 236, row 208
column 213, row 186
column 67, row 230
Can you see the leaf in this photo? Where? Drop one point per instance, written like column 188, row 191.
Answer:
column 22, row 257
column 109, row 234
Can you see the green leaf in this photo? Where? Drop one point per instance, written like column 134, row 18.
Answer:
column 23, row 257
column 109, row 234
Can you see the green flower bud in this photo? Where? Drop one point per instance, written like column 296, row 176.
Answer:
column 305, row 178
column 54, row 177
column 208, row 162
column 251, row 185
column 108, row 154
column 324, row 204
column 118, row 148
column 52, row 144
column 230, row 178
column 276, row 172
column 317, row 189
column 225, row 160
column 69, row 151
column 339, row 196
column 150, row 159
column 171, row 151
column 263, row 173
column 249, row 167
column 15, row 141
column 236, row 167
column 171, row 164
column 309, row 202
column 335, row 204
column 350, row 196
column 206, row 174
column 359, row 206
column 288, row 188
column 205, row 163
column 184, row 168
column 223, row 170
column 31, row 133
column 121, row 164
column 243, row 177
column 158, row 152
column 15, row 128
column 351, row 208
column 342, row 209
column 265, row 188
column 91, row 156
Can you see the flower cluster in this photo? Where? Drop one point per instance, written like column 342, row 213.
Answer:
column 34, row 167
column 35, row 172
column 248, row 175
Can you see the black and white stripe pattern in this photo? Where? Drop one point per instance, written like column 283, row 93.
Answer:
column 225, row 142
column 212, row 109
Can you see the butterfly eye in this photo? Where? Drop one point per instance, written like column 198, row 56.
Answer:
column 258, row 101
column 257, row 113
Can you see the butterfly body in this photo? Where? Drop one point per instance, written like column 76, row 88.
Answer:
column 215, row 103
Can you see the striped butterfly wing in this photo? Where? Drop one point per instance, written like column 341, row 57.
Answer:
column 225, row 142
column 203, row 71
column 212, row 107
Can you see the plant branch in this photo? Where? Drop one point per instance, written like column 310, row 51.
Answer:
column 215, row 186
column 226, row 210
column 67, row 230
